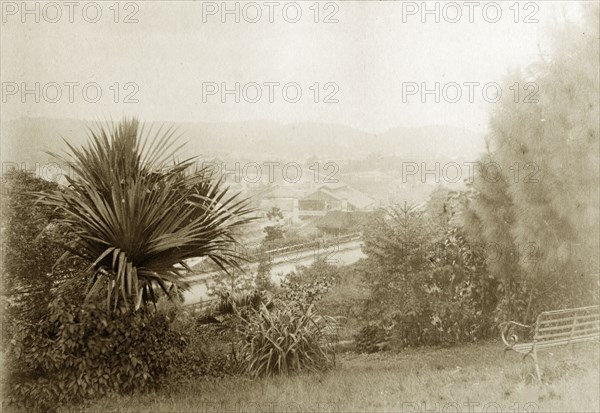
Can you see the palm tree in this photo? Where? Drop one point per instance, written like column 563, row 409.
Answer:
column 137, row 218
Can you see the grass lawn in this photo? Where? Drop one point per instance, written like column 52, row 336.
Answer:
column 467, row 378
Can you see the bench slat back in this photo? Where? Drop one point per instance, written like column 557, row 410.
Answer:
column 566, row 325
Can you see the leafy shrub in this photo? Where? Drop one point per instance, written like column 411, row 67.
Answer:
column 278, row 236
column 347, row 297
column 440, row 323
column 284, row 340
column 210, row 347
column 31, row 247
column 524, row 299
column 274, row 233
column 320, row 270
column 77, row 353
column 372, row 338
column 304, row 294
column 229, row 303
column 308, row 285
column 436, row 324
column 426, row 282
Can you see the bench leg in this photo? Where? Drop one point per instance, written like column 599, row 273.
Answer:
column 537, row 366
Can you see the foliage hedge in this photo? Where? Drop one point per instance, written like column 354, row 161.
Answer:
column 30, row 248
column 77, row 353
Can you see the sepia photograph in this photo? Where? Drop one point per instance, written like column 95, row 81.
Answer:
column 305, row 206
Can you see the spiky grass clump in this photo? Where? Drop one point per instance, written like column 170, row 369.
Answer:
column 285, row 340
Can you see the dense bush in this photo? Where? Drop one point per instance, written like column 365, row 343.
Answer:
column 284, row 340
column 210, row 349
column 308, row 285
column 372, row 338
column 436, row 324
column 319, row 270
column 305, row 293
column 427, row 285
column 77, row 353
column 278, row 236
column 347, row 296
column 230, row 303
column 440, row 323
column 31, row 248
column 249, row 332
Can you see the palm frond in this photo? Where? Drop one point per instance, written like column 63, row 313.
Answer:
column 137, row 218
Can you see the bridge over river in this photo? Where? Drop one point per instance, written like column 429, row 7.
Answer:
column 342, row 253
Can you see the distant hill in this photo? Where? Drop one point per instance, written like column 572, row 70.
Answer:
column 26, row 139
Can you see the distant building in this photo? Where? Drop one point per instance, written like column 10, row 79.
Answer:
column 333, row 197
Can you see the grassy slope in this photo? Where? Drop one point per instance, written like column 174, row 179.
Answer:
column 475, row 374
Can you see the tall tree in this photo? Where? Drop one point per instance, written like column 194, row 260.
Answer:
column 545, row 200
column 397, row 242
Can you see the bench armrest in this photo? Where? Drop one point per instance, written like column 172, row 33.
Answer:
column 509, row 331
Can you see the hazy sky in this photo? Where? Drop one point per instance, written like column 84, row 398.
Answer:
column 175, row 48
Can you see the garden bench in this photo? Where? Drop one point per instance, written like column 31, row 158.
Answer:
column 553, row 329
